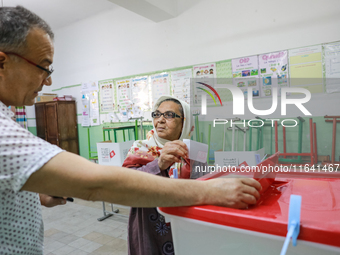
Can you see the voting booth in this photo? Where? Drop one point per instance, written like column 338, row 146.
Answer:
column 262, row 228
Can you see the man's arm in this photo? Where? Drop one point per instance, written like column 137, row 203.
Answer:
column 67, row 174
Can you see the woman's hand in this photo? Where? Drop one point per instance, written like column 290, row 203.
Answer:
column 171, row 153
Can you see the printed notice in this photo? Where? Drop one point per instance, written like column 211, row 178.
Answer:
column 124, row 95
column 159, row 86
column 106, row 95
column 180, row 81
column 230, row 161
column 90, row 106
column 332, row 66
column 305, row 68
column 140, row 93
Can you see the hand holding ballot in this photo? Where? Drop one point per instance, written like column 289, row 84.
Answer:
column 197, row 151
column 172, row 152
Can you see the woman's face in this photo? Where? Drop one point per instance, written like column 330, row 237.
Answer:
column 169, row 129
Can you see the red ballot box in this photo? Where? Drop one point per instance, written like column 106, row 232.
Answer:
column 262, row 228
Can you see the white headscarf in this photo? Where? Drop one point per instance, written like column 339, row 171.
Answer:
column 153, row 140
column 188, row 121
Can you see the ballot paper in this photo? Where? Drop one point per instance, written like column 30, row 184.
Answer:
column 197, row 151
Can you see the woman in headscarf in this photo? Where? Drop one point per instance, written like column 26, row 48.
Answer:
column 159, row 154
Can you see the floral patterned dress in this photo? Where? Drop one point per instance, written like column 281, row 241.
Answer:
column 148, row 233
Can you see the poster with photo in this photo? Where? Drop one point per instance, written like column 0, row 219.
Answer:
column 246, row 75
column 204, row 76
column 140, row 95
column 273, row 68
column 332, row 66
column 180, row 81
column 106, row 95
column 123, row 88
column 159, row 86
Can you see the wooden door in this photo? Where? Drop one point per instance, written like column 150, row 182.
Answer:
column 67, row 126
column 52, row 123
column 40, row 120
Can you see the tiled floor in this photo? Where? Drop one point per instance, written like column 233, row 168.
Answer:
column 74, row 229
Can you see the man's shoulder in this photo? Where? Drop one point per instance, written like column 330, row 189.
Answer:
column 5, row 119
column 12, row 130
column 5, row 111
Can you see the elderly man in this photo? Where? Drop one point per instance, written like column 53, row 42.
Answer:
column 29, row 165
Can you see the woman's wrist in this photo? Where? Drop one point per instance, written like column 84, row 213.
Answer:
column 161, row 166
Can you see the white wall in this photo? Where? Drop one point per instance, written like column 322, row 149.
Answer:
column 118, row 42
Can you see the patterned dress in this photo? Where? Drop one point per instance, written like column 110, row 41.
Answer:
column 148, row 233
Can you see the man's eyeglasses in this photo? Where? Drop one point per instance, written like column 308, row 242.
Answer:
column 167, row 115
column 49, row 72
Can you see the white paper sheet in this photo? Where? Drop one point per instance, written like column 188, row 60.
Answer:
column 197, row 151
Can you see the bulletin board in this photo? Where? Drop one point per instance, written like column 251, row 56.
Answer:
column 316, row 68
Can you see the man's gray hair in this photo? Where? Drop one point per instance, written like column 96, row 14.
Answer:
column 15, row 24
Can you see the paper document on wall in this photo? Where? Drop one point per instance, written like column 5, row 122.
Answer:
column 180, row 81
column 140, row 95
column 204, row 80
column 90, row 111
column 332, row 66
column 273, row 70
column 107, row 102
column 94, row 109
column 85, row 110
column 246, row 75
column 159, row 86
column 123, row 88
column 305, row 68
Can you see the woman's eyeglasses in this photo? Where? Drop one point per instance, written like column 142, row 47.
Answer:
column 167, row 115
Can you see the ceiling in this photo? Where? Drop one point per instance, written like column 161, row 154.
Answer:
column 59, row 13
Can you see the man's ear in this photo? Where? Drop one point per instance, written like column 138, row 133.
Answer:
column 3, row 59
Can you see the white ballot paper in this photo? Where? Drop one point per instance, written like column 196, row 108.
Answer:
column 197, row 151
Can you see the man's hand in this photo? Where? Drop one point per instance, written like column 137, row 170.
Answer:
column 233, row 192
column 171, row 153
column 50, row 201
